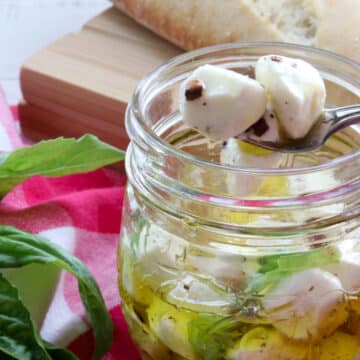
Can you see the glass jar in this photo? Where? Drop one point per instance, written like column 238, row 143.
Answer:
column 219, row 261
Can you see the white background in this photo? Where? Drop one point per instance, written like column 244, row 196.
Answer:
column 26, row 26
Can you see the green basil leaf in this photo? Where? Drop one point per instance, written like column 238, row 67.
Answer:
column 211, row 335
column 56, row 157
column 59, row 353
column 260, row 284
column 18, row 337
column 274, row 268
column 6, row 357
column 18, row 248
column 298, row 261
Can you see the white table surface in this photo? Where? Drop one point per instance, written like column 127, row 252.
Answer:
column 26, row 26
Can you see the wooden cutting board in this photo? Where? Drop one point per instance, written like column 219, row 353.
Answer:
column 83, row 82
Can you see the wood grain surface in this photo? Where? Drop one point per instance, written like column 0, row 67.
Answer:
column 83, row 81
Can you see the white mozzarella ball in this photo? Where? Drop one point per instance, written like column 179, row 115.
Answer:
column 295, row 90
column 348, row 272
column 308, row 304
column 221, row 103
column 242, row 155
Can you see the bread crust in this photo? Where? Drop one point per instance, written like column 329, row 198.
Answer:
column 193, row 24
column 190, row 23
column 339, row 27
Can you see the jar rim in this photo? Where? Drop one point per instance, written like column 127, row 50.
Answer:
column 153, row 139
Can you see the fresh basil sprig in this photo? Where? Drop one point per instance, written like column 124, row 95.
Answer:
column 19, row 338
column 211, row 335
column 56, row 157
column 274, row 268
column 57, row 353
column 19, row 248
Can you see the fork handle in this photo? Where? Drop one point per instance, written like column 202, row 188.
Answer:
column 342, row 117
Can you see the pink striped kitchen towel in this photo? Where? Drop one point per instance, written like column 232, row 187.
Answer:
column 82, row 213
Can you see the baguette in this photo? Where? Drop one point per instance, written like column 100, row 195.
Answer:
column 190, row 24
